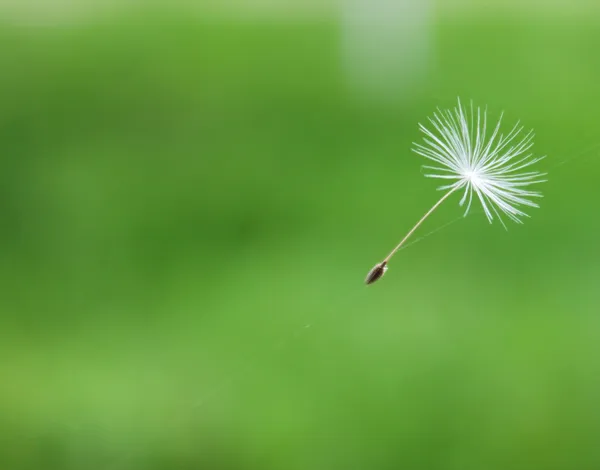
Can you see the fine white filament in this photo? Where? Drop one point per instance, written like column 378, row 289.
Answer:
column 496, row 169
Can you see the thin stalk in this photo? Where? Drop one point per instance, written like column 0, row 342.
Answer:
column 418, row 224
column 380, row 268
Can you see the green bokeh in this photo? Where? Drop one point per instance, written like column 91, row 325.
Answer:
column 189, row 208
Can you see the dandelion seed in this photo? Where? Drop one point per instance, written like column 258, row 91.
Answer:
column 495, row 169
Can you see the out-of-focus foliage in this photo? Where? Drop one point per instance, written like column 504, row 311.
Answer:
column 189, row 208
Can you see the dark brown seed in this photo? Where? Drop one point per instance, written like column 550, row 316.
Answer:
column 376, row 272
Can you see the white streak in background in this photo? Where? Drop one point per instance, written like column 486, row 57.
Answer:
column 386, row 45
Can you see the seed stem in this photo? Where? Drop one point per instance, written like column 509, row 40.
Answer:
column 407, row 236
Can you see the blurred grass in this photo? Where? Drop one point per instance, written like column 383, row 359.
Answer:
column 190, row 208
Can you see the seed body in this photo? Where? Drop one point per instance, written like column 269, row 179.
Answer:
column 374, row 274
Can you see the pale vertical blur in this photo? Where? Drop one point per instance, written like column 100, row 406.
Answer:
column 386, row 44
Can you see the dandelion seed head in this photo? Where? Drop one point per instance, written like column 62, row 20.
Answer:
column 496, row 168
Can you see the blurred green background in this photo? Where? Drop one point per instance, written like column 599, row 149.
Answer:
column 191, row 199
